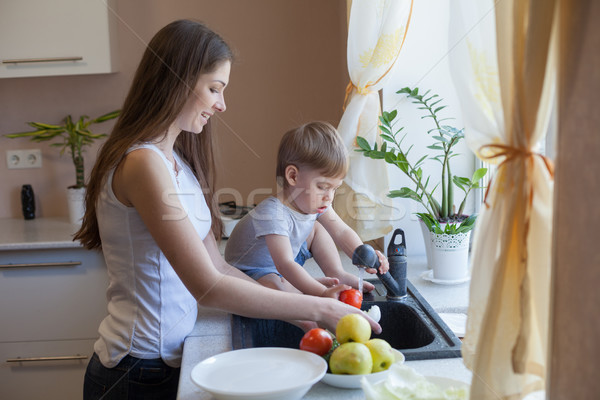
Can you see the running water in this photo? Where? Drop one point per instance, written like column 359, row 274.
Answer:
column 361, row 272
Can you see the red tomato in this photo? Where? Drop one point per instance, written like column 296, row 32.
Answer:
column 317, row 341
column 352, row 297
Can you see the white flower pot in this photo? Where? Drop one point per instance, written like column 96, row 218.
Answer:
column 449, row 256
column 427, row 242
column 76, row 203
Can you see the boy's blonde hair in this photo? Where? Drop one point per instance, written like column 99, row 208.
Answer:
column 316, row 145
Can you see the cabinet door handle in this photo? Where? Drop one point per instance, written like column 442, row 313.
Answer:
column 56, row 358
column 41, row 60
column 41, row 265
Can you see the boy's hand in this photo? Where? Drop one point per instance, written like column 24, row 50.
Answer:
column 328, row 281
column 367, row 287
column 334, row 291
column 384, row 264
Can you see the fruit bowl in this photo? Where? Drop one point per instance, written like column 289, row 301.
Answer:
column 353, row 381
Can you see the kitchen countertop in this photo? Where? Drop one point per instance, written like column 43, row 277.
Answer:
column 212, row 332
column 212, row 335
column 37, row 233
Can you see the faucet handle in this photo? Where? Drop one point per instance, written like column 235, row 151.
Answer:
column 397, row 249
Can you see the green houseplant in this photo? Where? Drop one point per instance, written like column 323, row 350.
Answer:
column 73, row 136
column 438, row 212
column 445, row 221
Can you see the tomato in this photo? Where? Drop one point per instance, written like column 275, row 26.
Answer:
column 352, row 297
column 317, row 341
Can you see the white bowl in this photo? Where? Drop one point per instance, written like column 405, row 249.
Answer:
column 353, row 381
column 267, row 373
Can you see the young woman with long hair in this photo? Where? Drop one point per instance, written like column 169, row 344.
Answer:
column 150, row 209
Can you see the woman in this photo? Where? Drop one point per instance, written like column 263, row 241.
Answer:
column 148, row 207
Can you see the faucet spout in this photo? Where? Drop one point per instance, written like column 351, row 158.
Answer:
column 364, row 256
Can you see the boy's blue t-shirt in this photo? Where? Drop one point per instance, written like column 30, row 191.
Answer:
column 247, row 248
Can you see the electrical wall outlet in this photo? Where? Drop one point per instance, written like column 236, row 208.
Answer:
column 18, row 159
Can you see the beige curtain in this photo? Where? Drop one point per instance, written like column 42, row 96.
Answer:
column 376, row 33
column 507, row 326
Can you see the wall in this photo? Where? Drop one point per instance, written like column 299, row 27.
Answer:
column 290, row 68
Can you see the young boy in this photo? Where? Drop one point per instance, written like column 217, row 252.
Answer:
column 273, row 241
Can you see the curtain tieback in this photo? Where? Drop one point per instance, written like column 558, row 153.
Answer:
column 511, row 153
column 362, row 91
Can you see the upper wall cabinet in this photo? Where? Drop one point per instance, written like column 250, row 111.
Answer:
column 58, row 37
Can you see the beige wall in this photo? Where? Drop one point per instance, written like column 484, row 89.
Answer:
column 290, row 68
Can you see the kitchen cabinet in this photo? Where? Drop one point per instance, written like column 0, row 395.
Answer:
column 52, row 300
column 59, row 37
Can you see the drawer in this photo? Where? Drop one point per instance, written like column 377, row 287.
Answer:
column 49, row 378
column 57, row 294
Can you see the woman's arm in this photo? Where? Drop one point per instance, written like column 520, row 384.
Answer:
column 143, row 181
column 219, row 262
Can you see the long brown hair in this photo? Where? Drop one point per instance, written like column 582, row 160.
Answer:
column 170, row 67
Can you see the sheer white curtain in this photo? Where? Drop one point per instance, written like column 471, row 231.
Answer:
column 376, row 33
column 474, row 69
column 507, row 326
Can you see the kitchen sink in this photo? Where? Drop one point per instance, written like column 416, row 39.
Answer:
column 409, row 325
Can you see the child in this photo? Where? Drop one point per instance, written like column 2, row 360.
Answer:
column 273, row 241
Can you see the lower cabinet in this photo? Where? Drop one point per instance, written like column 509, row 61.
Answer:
column 44, row 370
column 51, row 304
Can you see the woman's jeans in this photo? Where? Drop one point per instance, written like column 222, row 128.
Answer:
column 132, row 378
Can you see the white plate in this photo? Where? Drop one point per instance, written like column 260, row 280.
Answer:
column 267, row 373
column 428, row 276
column 353, row 381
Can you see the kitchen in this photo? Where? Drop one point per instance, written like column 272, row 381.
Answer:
column 282, row 94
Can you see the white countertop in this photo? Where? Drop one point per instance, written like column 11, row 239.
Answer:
column 212, row 335
column 37, row 233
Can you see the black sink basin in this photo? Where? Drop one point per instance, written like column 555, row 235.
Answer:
column 409, row 325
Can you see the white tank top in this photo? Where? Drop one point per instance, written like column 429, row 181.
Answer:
column 150, row 311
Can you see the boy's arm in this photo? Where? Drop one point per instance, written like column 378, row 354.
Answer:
column 281, row 253
column 345, row 238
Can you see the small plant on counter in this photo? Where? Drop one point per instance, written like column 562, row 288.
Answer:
column 74, row 135
column 446, row 137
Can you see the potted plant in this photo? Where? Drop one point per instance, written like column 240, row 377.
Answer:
column 73, row 136
column 446, row 226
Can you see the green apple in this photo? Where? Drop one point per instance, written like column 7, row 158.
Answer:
column 351, row 358
column 382, row 354
column 353, row 328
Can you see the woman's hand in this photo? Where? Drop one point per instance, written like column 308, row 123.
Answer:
column 333, row 310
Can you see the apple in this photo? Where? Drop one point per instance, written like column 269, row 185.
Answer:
column 382, row 354
column 353, row 328
column 351, row 358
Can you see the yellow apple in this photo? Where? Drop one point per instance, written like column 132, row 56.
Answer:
column 382, row 354
column 353, row 328
column 351, row 358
